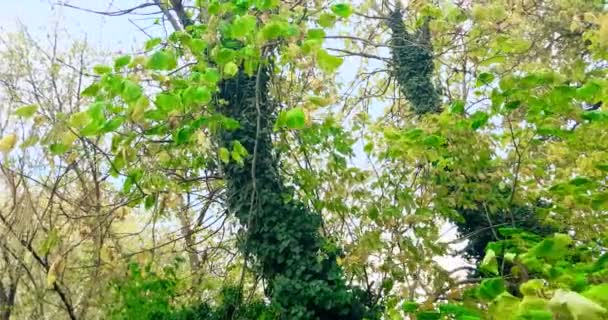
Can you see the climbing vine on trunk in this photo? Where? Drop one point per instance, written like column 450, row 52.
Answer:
column 281, row 233
column 413, row 64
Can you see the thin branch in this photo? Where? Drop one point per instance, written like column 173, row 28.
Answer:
column 108, row 13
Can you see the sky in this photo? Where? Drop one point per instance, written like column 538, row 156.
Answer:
column 101, row 32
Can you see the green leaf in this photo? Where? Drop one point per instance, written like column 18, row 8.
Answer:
column 118, row 163
column 327, row 62
column 504, row 306
column 588, row 91
column 230, row 124
column 409, row 306
column 225, row 55
column 238, row 148
column 602, row 166
column 162, row 60
column 316, row 34
column 167, row 101
column 428, row 315
column 489, row 262
column 479, row 119
column 490, row 288
column 51, row 240
column 512, row 105
column 197, row 95
column 198, row 46
column 96, row 112
column 552, row 249
column 26, row 111
column 121, row 62
column 343, row 10
column 595, row 115
column 580, row 181
column 150, row 201
column 112, row 84
column 214, row 7
column 598, row 293
column 484, row 79
column 150, row 44
column 91, row 90
column 237, row 157
column 231, row 69
column 101, row 69
column 460, row 312
column 113, row 124
column 410, row 134
column 509, row 231
column 510, row 256
column 30, row 141
column 433, row 141
column 58, row 148
column 327, row 20
column 267, row 4
column 131, row 91
column 126, row 186
column 274, row 30
column 507, row 83
column 534, row 315
column 183, row 135
column 212, row 76
column 457, row 107
column 224, row 155
column 533, row 303
column 295, row 118
column 532, row 287
column 311, row 46
column 243, row 26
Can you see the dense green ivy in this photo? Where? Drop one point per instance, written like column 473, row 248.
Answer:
column 281, row 233
column 482, row 229
column 413, row 64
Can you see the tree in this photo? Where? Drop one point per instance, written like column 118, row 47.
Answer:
column 337, row 209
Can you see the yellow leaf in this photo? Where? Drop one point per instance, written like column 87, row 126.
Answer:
column 68, row 138
column 603, row 32
column 54, row 271
column 7, row 143
column 164, row 157
column 51, row 277
column 137, row 113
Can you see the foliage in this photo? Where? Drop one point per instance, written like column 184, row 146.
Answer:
column 282, row 234
column 413, row 64
column 251, row 143
column 145, row 294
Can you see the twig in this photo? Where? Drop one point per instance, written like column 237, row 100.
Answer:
column 108, row 13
